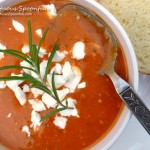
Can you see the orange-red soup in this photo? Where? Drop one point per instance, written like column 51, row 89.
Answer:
column 98, row 104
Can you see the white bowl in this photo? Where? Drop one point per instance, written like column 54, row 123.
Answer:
column 128, row 51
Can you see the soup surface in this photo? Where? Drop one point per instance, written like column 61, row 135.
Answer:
column 97, row 103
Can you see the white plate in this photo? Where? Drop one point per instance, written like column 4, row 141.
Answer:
column 134, row 136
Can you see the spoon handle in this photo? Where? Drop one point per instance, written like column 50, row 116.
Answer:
column 136, row 105
column 132, row 100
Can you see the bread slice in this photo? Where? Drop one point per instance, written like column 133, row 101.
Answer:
column 134, row 15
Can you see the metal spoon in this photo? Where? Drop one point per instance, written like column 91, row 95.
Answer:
column 124, row 90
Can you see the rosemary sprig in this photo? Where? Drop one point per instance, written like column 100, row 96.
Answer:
column 30, row 39
column 15, row 67
column 52, row 113
column 50, row 61
column 19, row 55
column 55, row 91
column 33, row 60
column 12, row 78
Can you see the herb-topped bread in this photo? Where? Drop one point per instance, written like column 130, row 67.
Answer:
column 134, row 15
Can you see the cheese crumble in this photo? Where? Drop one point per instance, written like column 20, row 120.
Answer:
column 82, row 85
column 51, row 10
column 26, row 130
column 37, row 105
column 25, row 49
column 69, row 112
column 35, row 119
column 2, row 85
column 78, row 50
column 39, row 32
column 9, row 115
column 59, row 56
column 18, row 26
column 26, row 88
column 42, row 52
column 20, row 95
column 3, row 47
column 60, row 122
column 49, row 101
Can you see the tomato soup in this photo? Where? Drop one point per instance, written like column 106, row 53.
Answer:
column 97, row 104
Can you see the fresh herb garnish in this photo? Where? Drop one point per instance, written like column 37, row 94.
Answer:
column 33, row 60
column 52, row 113
column 50, row 61
column 55, row 91
column 18, row 54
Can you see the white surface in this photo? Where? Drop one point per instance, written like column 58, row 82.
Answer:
column 134, row 136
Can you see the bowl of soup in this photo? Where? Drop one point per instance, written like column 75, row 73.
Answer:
column 88, row 113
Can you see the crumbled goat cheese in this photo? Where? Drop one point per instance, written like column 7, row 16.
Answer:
column 3, row 47
column 57, row 68
column 51, row 10
column 37, row 105
column 26, row 130
column 25, row 49
column 2, row 84
column 33, row 74
column 26, row 64
column 59, row 80
column 49, row 101
column 39, row 32
column 20, row 95
column 1, row 55
column 43, row 66
column 14, row 84
column 62, row 93
column 18, row 26
column 26, row 88
column 9, row 115
column 58, row 57
column 42, row 52
column 60, row 122
column 36, row 92
column 67, row 72
column 35, row 119
column 82, row 85
column 77, row 71
column 69, row 112
column 78, row 50
column 72, row 85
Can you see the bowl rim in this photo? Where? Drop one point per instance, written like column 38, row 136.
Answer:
column 132, row 65
column 121, row 34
